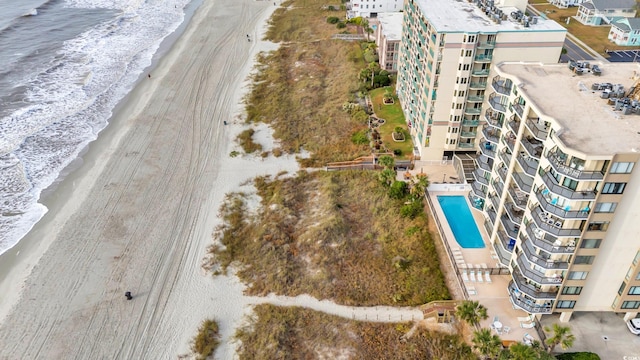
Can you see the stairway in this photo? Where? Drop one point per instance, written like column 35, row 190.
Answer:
column 464, row 165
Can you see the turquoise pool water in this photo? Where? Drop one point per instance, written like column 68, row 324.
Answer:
column 461, row 221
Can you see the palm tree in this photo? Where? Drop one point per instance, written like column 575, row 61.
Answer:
column 386, row 161
column 419, row 184
column 387, row 177
column 520, row 351
column 488, row 344
column 471, row 312
column 561, row 336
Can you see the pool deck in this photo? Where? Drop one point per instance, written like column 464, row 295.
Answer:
column 494, row 296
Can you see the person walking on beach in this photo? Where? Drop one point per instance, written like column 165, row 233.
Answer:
column 149, row 75
column 128, row 295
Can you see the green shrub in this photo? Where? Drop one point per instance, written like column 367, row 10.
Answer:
column 207, row 339
column 398, row 190
column 360, row 137
column 331, row 8
column 578, row 356
column 397, row 152
column 341, row 25
column 333, row 20
column 381, row 80
column 412, row 210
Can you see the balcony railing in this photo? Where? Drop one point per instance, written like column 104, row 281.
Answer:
column 496, row 204
column 551, row 225
column 518, row 108
column 506, row 242
column 479, row 177
column 509, row 139
column 523, row 182
column 503, row 256
column 494, row 102
column 553, row 186
column 514, row 214
column 488, row 149
column 478, row 190
column 486, row 45
column 519, row 198
column 512, row 229
column 547, row 242
column 492, row 216
column 501, row 86
column 468, row 134
column 490, row 134
column 534, row 275
column 559, row 166
column 533, row 147
column 484, row 163
column 528, row 164
column 472, row 111
column 483, row 58
column 514, row 124
column 478, row 85
column 531, row 290
column 498, row 185
column 560, row 212
column 528, row 305
column 506, row 157
column 502, row 172
column 480, row 72
column 475, row 99
column 463, row 145
column 493, row 119
column 538, row 131
column 532, row 257
column 468, row 122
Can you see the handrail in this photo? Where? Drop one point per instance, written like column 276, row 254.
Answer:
column 553, row 186
column 558, row 165
column 565, row 214
column 536, row 212
column 545, row 244
column 536, row 131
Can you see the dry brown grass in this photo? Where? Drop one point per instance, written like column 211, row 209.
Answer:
column 335, row 235
column 296, row 333
column 300, row 88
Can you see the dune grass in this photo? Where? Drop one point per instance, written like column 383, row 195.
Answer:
column 296, row 333
column 335, row 235
column 206, row 341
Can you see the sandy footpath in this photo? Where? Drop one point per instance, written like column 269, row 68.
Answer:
column 139, row 214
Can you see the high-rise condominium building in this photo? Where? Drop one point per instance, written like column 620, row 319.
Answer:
column 447, row 53
column 559, row 184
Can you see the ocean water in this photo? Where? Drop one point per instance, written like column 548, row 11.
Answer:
column 64, row 66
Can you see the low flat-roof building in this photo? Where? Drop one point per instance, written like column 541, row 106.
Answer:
column 388, row 35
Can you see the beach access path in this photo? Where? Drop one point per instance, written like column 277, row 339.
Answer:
column 139, row 214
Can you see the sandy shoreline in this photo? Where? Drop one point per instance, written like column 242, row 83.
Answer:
column 139, row 213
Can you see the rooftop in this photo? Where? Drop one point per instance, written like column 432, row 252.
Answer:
column 464, row 16
column 589, row 124
column 391, row 25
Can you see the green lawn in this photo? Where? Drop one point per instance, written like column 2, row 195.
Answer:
column 394, row 117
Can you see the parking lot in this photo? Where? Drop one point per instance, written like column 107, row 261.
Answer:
column 623, row 55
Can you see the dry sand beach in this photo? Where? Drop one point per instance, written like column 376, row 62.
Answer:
column 138, row 215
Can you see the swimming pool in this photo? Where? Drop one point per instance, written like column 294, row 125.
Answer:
column 461, row 221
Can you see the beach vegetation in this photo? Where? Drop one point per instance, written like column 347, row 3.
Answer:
column 560, row 335
column 206, row 341
column 471, row 312
column 394, row 119
column 360, row 137
column 333, row 19
column 274, row 332
column 332, row 235
column 234, row 153
column 245, row 139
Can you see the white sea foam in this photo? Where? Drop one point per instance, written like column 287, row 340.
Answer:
column 71, row 101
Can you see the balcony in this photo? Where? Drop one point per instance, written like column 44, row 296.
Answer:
column 498, row 186
column 547, row 242
column 483, row 58
column 484, row 163
column 518, row 108
column 472, row 111
column 486, row 45
column 488, row 149
column 519, row 198
column 507, row 243
column 514, row 124
column 509, row 139
column 528, row 164
column 547, row 205
column 494, row 102
column 490, row 135
column 495, row 201
column 551, row 225
column 480, row 72
column 514, row 214
column 501, row 86
column 523, row 182
column 492, row 217
column 502, row 172
column 553, row 186
column 493, row 119
column 532, row 146
column 468, row 134
column 512, row 229
column 480, row 178
column 462, row 145
column 478, row 190
column 572, row 171
column 535, row 275
column 468, row 122
column 475, row 99
column 538, row 259
column 538, row 131
column 478, row 85
column 520, row 301
column 506, row 157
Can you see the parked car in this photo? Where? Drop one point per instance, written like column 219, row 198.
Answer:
column 634, row 326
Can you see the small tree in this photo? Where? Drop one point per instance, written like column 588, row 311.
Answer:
column 520, row 351
column 398, row 190
column 387, row 161
column 471, row 312
column 387, row 177
column 419, row 184
column 487, row 344
column 561, row 336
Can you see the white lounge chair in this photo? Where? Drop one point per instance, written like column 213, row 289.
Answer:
column 487, row 276
column 465, row 276
column 506, row 329
column 527, row 325
column 525, row 319
column 484, row 266
column 472, row 275
column 471, row 290
column 480, row 279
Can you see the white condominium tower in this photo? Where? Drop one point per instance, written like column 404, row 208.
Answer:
column 447, row 53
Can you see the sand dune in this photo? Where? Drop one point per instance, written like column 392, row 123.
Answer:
column 139, row 214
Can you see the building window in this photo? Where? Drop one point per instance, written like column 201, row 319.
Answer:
column 638, row 276
column 598, row 226
column 565, row 304
column 621, row 289
column 468, row 53
column 634, row 290
column 613, row 188
column 571, row 290
column 621, row 167
column 608, row 207
column 578, row 275
column 590, row 243
column 584, row 260
column 630, row 305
